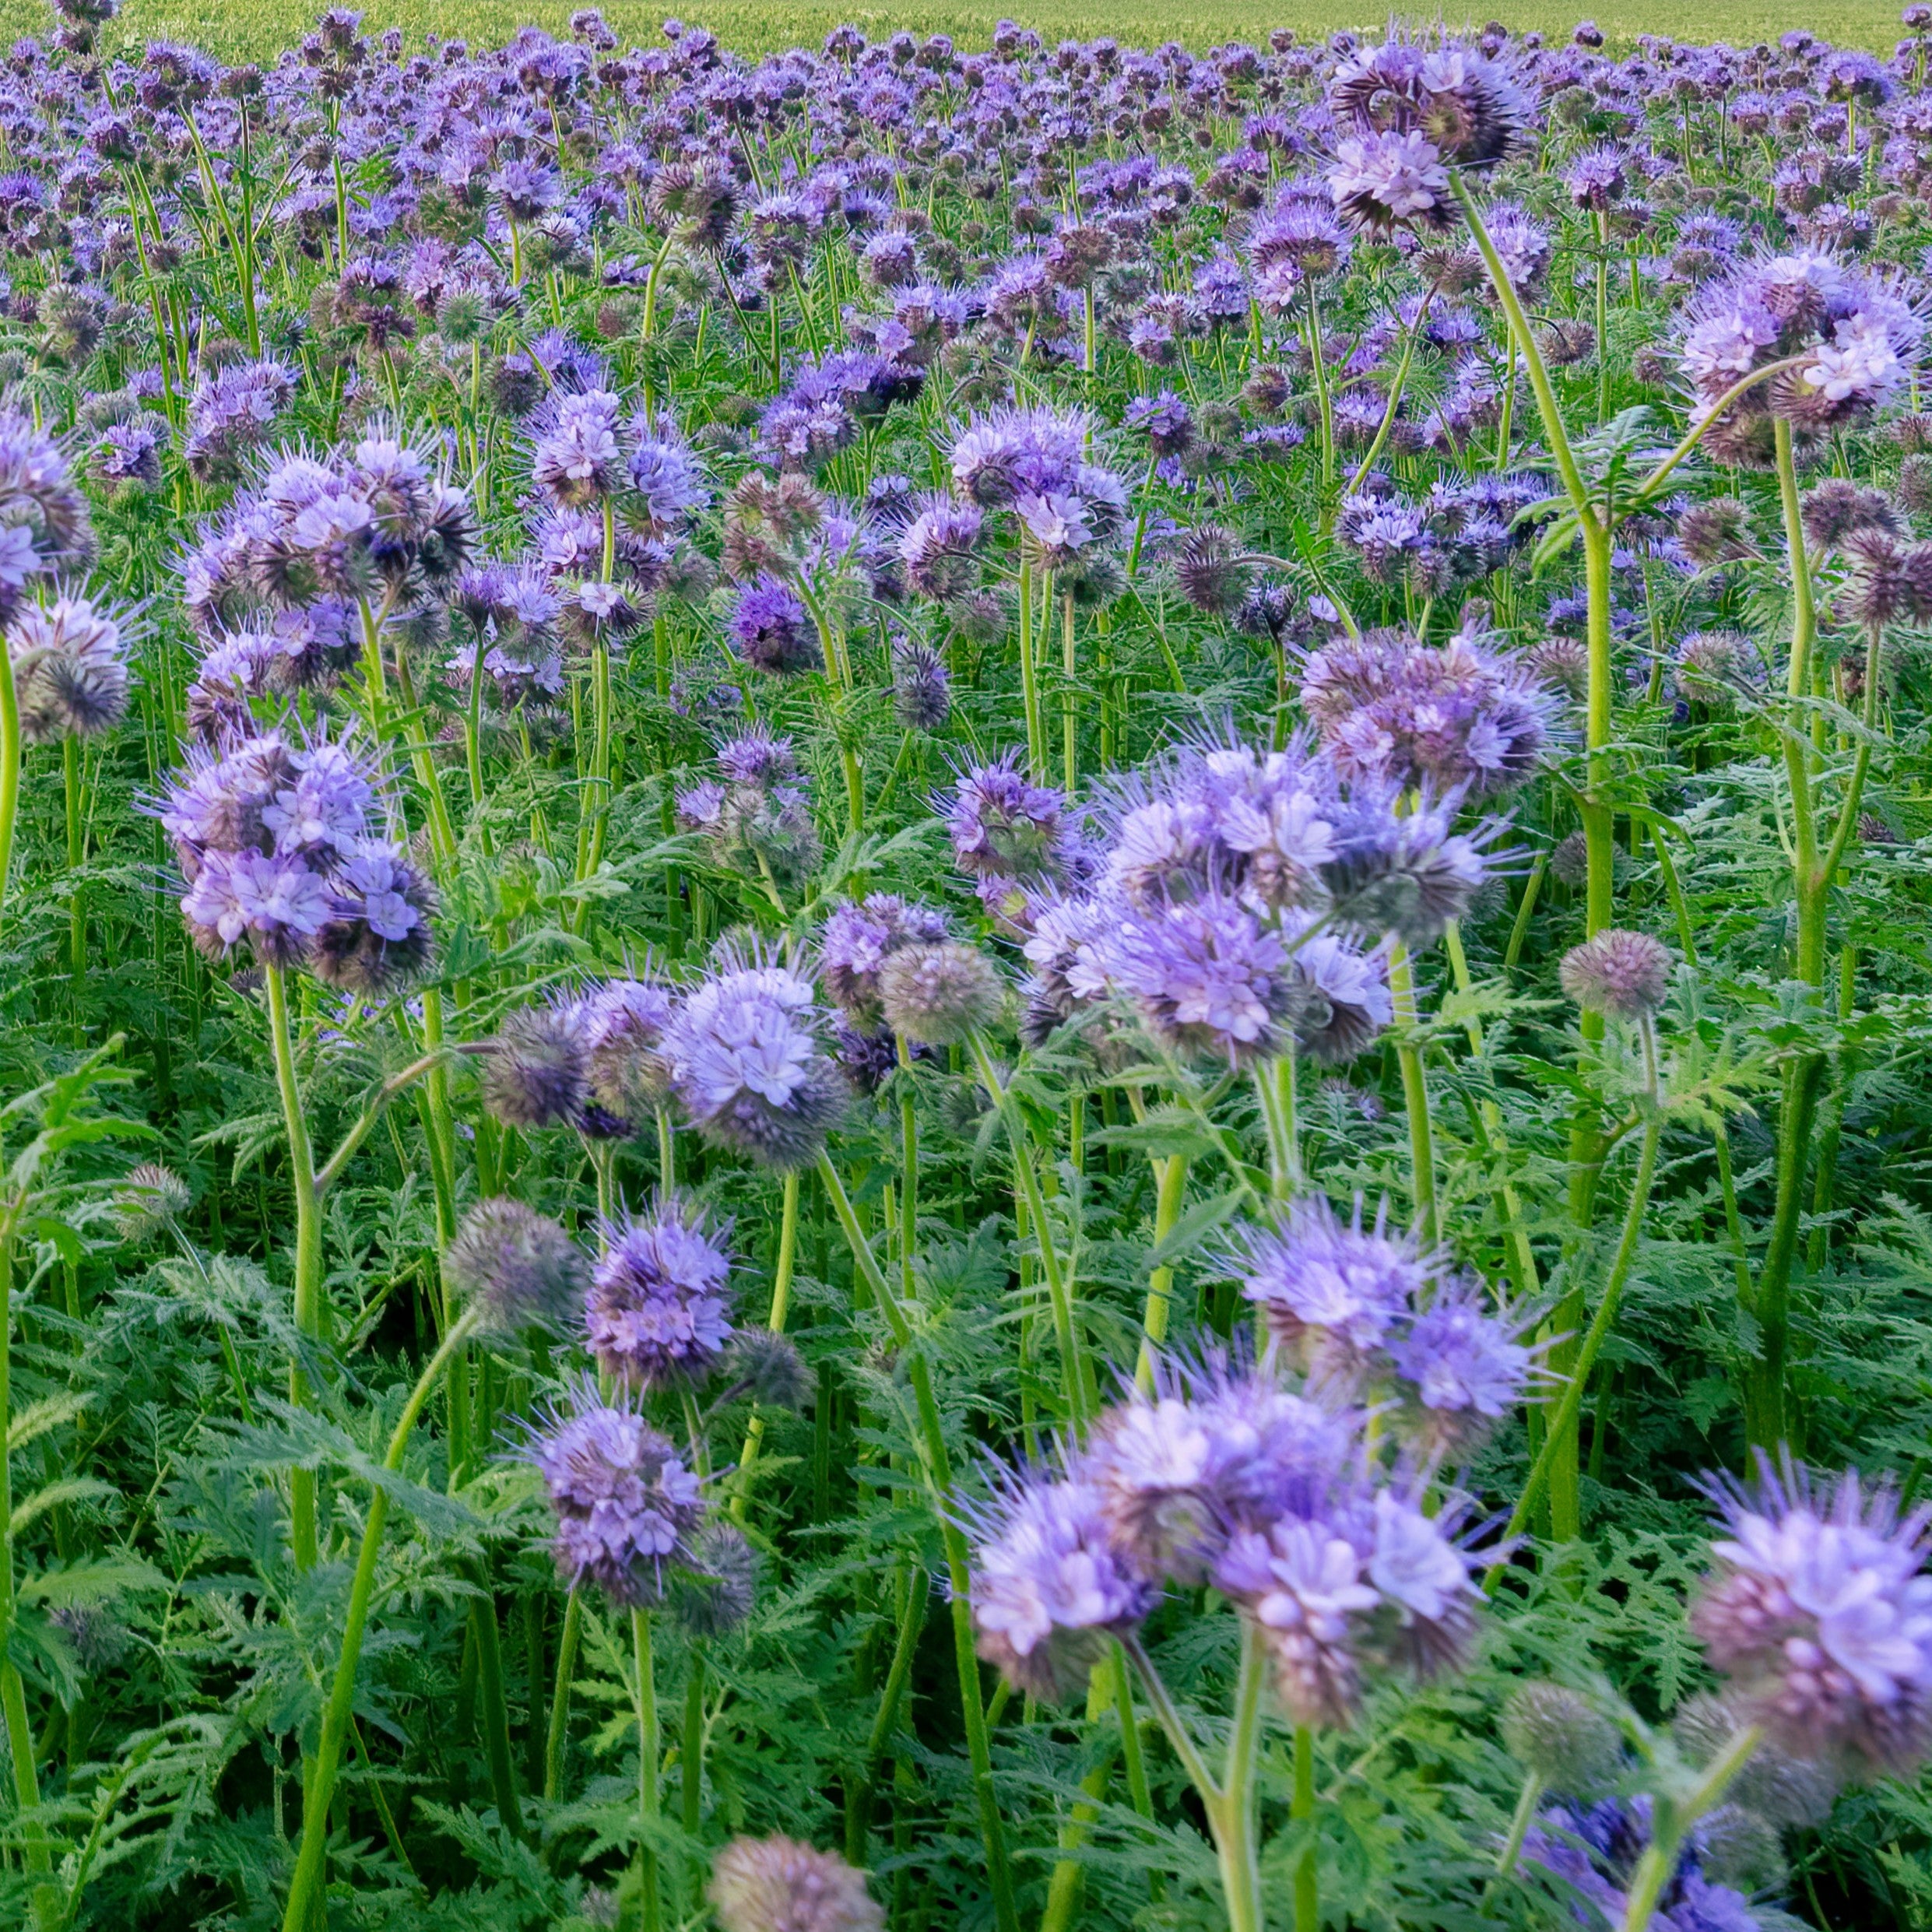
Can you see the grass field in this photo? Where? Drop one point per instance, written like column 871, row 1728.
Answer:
column 258, row 28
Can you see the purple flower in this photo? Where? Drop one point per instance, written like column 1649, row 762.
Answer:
column 1346, row 1000
column 1466, row 1369
column 1332, row 1291
column 939, row 548
column 668, row 481
column 1390, row 708
column 1049, row 1585
column 1002, row 827
column 1382, row 182
column 626, row 1505
column 772, row 631
column 277, row 902
column 1209, row 980
column 1408, row 875
column 70, row 666
column 855, row 943
column 657, row 1310
column 578, row 460
column 1820, row 1612
column 743, row 1052
column 377, row 934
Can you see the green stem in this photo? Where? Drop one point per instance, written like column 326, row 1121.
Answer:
column 650, row 1749
column 1170, row 1192
column 26, row 1789
column 495, row 1710
column 319, row 1790
column 1415, row 1099
column 10, row 742
column 1672, row 1823
column 308, row 1249
column 858, row 1818
column 1058, row 1290
column 70, row 787
column 1308, row 1897
column 1563, row 1423
column 559, row 1732
column 959, row 1572
column 780, row 1303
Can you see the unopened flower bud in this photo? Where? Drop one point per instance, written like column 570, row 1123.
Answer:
column 939, row 993
column 1561, row 1735
column 777, row 1884
column 1625, row 975
column 517, row 1266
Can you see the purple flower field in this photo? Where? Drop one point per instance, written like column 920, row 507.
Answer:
column 964, row 987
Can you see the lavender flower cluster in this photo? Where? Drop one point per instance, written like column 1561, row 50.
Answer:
column 1225, row 1475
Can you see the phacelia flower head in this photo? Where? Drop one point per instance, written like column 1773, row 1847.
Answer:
column 70, row 668
column 1383, row 182
column 1049, row 1585
column 1209, row 980
column 627, row 1509
column 1819, row 1610
column 1003, row 826
column 746, row 1064
column 535, row 1073
column 777, row 1884
column 1464, row 1369
column 938, row 992
column 579, row 459
column 921, row 687
column 1333, row 1292
column 1462, row 716
column 622, row 1023
column 515, row 1265
column 44, row 524
column 1407, row 873
column 659, row 1310
column 858, row 939
column 772, row 631
column 378, row 935
column 1625, row 975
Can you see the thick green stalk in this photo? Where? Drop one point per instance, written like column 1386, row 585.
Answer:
column 1765, row 1419
column 26, row 1789
column 559, row 1732
column 650, row 1749
column 1069, row 668
column 495, row 1710
column 958, row 1562
column 781, row 1305
column 76, row 854
column 1170, row 1192
column 308, row 1248
column 1060, row 1290
column 898, row 1675
column 1029, row 683
column 1671, row 1824
column 319, row 1787
column 1415, row 1100
column 1308, row 1896
column 1563, row 1423
column 10, row 768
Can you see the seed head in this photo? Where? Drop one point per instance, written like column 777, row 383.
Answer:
column 1561, row 1735
column 149, row 1196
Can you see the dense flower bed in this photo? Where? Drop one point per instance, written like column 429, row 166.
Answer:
column 955, row 989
